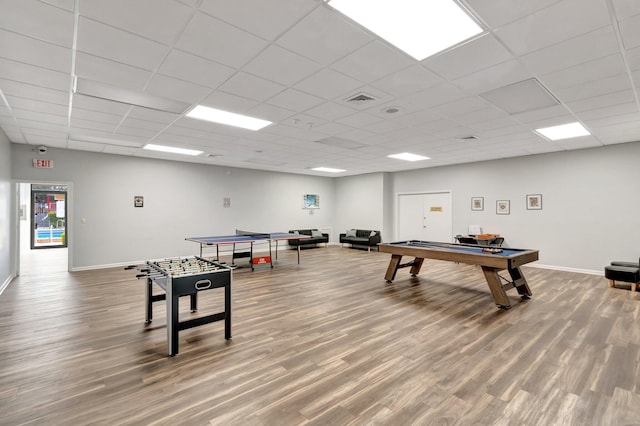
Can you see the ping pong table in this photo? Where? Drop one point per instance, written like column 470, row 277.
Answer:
column 250, row 238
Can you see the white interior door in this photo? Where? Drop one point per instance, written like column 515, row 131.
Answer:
column 425, row 217
column 436, row 224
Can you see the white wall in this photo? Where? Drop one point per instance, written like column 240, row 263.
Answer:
column 589, row 197
column 360, row 203
column 6, row 203
column 180, row 200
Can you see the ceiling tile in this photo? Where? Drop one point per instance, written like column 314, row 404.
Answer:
column 218, row 41
column 101, row 40
column 479, row 53
column 35, row 52
column 589, row 71
column 29, row 74
column 38, row 20
column 630, row 31
column 258, row 16
column 163, row 25
column 188, row 67
column 626, row 8
column 111, row 72
column 324, row 36
column 599, row 43
column 561, row 21
column 282, row 66
column 251, row 86
column 328, row 84
column 498, row 13
column 373, row 61
column 294, row 100
column 180, row 90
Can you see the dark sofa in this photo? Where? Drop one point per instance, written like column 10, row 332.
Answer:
column 319, row 238
column 361, row 237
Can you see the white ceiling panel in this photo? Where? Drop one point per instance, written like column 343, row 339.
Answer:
column 372, row 62
column 282, row 66
column 35, row 52
column 98, row 39
column 408, row 81
column 38, row 20
column 556, row 23
column 251, row 86
column 218, row 41
column 482, row 52
column 259, row 17
column 599, row 43
column 299, row 63
column 626, row 8
column 111, row 72
column 324, row 37
column 589, row 71
column 188, row 67
column 498, row 13
column 328, row 84
column 164, row 24
column 29, row 74
column 630, row 30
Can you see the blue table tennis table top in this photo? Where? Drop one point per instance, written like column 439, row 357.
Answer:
column 246, row 238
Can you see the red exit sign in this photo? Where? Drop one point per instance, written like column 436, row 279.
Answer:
column 40, row 163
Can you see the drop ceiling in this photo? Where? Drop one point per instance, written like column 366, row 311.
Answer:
column 300, row 64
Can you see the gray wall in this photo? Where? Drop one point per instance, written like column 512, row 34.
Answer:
column 589, row 197
column 6, row 203
column 360, row 203
column 589, row 214
column 180, row 200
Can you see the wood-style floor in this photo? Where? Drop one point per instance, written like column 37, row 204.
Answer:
column 324, row 342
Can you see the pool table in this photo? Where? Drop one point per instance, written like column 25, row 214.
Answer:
column 509, row 259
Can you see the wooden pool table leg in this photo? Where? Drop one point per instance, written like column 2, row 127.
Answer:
column 393, row 267
column 497, row 291
column 520, row 283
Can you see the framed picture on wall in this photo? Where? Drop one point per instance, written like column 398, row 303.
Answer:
column 310, row 201
column 502, row 207
column 477, row 203
column 534, row 202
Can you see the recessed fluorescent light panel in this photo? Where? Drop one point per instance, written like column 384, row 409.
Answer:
column 328, row 170
column 219, row 116
column 407, row 156
column 564, row 131
column 421, row 28
column 171, row 149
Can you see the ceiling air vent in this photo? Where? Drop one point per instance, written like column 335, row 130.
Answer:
column 361, row 98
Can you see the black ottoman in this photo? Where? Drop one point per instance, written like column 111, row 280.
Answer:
column 625, row 274
column 629, row 264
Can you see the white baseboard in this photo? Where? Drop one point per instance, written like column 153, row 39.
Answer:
column 6, row 282
column 567, row 269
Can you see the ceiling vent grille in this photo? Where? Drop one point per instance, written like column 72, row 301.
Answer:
column 361, row 98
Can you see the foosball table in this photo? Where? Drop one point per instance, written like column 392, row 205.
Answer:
column 185, row 276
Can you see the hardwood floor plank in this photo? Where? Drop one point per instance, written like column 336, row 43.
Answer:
column 327, row 341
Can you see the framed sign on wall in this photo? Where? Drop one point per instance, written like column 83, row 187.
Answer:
column 310, row 201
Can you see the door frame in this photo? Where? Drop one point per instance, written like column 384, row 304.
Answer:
column 397, row 207
column 14, row 236
column 33, row 230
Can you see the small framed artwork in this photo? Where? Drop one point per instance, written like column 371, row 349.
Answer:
column 138, row 201
column 502, row 207
column 310, row 201
column 534, row 202
column 477, row 203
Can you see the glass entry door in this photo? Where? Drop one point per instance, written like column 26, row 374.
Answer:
column 49, row 214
